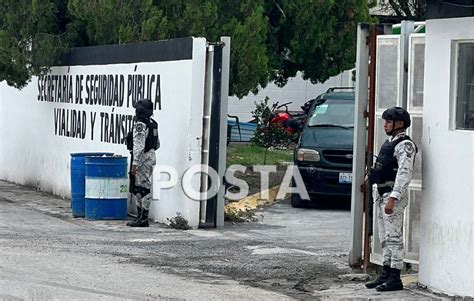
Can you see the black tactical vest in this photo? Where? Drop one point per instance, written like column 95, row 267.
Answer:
column 152, row 139
column 386, row 166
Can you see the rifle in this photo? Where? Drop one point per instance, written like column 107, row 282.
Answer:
column 131, row 177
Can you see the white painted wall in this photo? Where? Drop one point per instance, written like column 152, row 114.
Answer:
column 447, row 211
column 296, row 90
column 31, row 153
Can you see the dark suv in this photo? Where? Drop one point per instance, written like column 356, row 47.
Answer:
column 324, row 151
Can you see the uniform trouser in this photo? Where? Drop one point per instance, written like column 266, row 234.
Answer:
column 143, row 180
column 390, row 227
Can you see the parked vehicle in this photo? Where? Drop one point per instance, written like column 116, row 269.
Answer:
column 292, row 123
column 324, row 151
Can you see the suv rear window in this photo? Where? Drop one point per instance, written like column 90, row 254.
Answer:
column 333, row 112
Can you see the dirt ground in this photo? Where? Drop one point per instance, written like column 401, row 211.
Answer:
column 253, row 178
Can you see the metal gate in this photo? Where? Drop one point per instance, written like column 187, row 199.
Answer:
column 389, row 92
column 214, row 137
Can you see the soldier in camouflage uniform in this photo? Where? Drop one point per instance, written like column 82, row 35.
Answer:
column 392, row 173
column 145, row 142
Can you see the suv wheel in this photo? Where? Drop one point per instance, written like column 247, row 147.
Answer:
column 297, row 202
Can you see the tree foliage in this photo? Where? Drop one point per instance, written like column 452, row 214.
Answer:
column 271, row 39
column 315, row 37
column 268, row 134
column 29, row 39
column 408, row 9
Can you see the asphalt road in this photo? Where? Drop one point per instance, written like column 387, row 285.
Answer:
column 45, row 254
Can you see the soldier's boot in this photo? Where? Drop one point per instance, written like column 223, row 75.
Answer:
column 394, row 283
column 382, row 278
column 142, row 222
column 139, row 214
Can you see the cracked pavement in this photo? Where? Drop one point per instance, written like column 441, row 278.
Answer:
column 46, row 254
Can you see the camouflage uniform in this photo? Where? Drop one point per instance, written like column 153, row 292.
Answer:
column 145, row 162
column 390, row 226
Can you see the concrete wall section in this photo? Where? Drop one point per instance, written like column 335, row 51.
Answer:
column 183, row 133
column 447, row 212
column 38, row 133
column 296, row 90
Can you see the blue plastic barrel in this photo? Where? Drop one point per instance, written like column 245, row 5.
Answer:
column 78, row 181
column 106, row 188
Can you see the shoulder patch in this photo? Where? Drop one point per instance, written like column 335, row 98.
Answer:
column 139, row 127
column 409, row 148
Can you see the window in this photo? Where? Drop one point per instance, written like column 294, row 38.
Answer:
column 465, row 86
column 333, row 112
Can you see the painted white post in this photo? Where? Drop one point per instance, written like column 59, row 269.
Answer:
column 360, row 142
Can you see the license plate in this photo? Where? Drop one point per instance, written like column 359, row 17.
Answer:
column 345, row 177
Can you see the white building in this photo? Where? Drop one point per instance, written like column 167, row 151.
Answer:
column 447, row 211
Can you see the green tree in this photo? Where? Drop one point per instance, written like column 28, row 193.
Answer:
column 118, row 21
column 268, row 134
column 29, row 39
column 407, row 9
column 317, row 38
column 271, row 39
